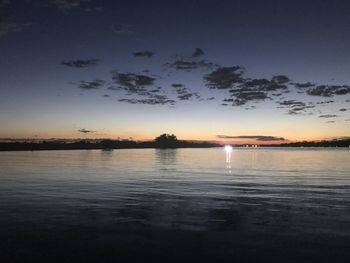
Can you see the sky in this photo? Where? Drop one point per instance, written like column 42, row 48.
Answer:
column 228, row 71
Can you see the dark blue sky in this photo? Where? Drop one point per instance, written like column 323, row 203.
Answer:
column 109, row 67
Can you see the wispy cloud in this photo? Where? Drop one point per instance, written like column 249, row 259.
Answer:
column 144, row 54
column 9, row 25
column 86, row 131
column 328, row 116
column 81, row 63
column 67, row 6
column 91, row 85
column 185, row 94
column 198, row 52
column 155, row 100
column 253, row 137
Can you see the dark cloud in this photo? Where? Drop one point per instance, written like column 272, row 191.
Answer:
column 292, row 103
column 296, row 107
column 211, row 98
column 144, row 54
column 280, row 79
column 156, row 100
column 106, row 96
column 81, row 63
column 197, row 53
column 328, row 116
column 329, row 90
column 325, row 102
column 343, row 109
column 304, row 85
column 330, row 122
column 133, row 83
column 91, row 85
column 243, row 90
column 276, row 83
column 142, row 86
column 86, row 131
column 224, row 77
column 189, row 65
column 253, row 137
column 243, row 96
column 185, row 94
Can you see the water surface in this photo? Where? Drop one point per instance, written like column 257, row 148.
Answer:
column 178, row 204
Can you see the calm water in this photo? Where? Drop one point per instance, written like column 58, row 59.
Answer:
column 273, row 204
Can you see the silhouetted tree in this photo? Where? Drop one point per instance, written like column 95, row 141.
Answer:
column 166, row 141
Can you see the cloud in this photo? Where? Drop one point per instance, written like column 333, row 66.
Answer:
column 276, row 83
column 224, row 77
column 144, row 54
column 197, row 53
column 68, row 5
column 91, row 85
column 296, row 107
column 9, row 25
column 253, row 137
column 325, row 102
column 81, row 63
column 243, row 96
column 330, row 122
column 189, row 65
column 177, row 85
column 184, row 93
column 122, row 29
column 328, row 116
column 142, row 86
column 303, row 85
column 156, row 100
column 343, row 109
column 133, row 83
column 243, row 90
column 86, row 131
column 329, row 90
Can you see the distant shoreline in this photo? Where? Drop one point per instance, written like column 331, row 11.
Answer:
column 116, row 145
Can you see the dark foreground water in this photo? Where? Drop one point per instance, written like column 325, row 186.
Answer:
column 276, row 205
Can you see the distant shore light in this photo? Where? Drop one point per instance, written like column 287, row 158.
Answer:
column 228, row 148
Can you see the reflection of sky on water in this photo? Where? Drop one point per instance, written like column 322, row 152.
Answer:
column 127, row 191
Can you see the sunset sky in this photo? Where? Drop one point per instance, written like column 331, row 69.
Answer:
column 242, row 71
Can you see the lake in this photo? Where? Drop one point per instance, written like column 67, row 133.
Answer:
column 175, row 205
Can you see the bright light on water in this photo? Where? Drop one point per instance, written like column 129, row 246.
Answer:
column 228, row 148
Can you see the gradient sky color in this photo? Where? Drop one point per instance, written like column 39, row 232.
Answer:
column 59, row 57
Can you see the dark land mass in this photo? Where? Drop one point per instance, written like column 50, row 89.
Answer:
column 162, row 141
column 324, row 143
